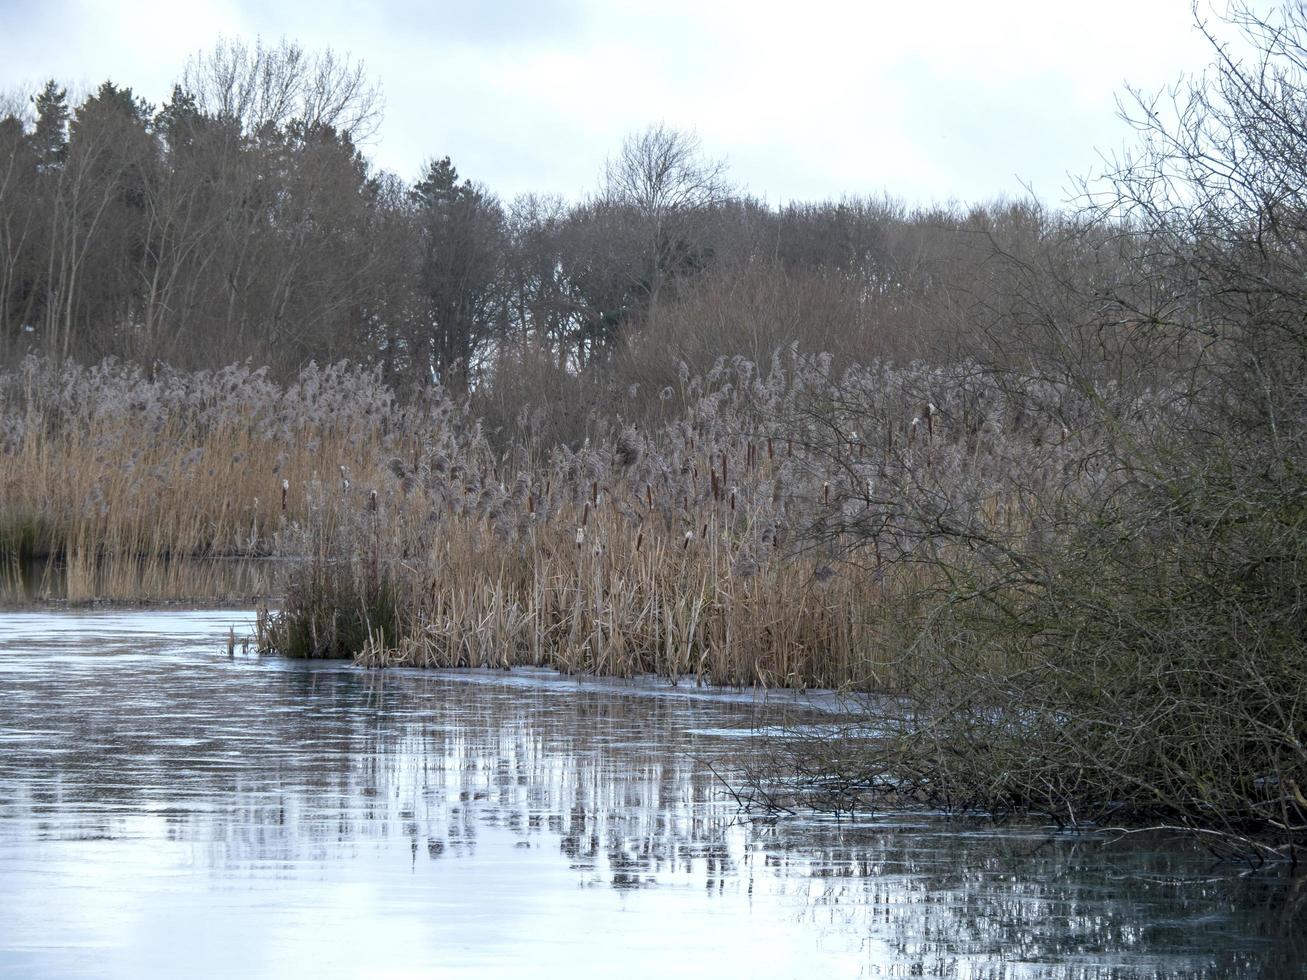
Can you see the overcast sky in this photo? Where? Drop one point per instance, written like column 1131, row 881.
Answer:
column 952, row 100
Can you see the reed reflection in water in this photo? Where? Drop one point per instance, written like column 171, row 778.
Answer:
column 165, row 809
column 81, row 579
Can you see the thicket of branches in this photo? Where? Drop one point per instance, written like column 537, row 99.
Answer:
column 1130, row 647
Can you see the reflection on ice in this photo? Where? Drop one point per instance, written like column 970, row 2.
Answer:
column 164, row 808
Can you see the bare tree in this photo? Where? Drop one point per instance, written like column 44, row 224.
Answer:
column 669, row 189
column 265, row 86
column 1113, row 630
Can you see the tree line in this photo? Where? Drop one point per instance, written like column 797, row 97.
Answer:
column 239, row 219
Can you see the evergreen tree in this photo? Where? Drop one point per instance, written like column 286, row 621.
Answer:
column 50, row 138
column 462, row 233
column 178, row 119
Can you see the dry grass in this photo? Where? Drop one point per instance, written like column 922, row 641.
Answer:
column 615, row 587
column 743, row 541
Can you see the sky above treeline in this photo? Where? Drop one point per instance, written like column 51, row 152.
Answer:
column 930, row 102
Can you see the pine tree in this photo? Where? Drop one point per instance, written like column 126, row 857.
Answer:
column 50, row 139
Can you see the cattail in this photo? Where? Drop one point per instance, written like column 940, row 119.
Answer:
column 372, row 501
column 531, row 504
column 685, row 545
column 770, row 455
column 732, row 500
column 704, row 533
column 594, row 493
column 716, row 495
column 585, row 514
column 648, row 495
column 344, row 480
column 580, row 537
column 930, row 419
column 825, row 493
column 639, row 540
column 724, row 479
column 628, row 448
column 285, row 493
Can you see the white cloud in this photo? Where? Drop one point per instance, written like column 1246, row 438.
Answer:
column 947, row 100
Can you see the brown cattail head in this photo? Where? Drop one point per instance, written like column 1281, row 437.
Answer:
column 770, row 454
column 285, row 494
column 639, row 540
column 372, row 501
column 594, row 493
column 585, row 514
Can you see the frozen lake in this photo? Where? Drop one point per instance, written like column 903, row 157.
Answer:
column 168, row 811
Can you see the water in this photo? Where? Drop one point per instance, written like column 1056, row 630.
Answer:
column 167, row 811
column 133, row 579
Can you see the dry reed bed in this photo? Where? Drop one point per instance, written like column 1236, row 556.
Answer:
column 778, row 531
column 610, row 590
column 774, row 527
column 106, row 462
